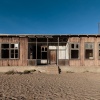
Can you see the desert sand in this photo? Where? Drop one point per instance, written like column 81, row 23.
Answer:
column 40, row 86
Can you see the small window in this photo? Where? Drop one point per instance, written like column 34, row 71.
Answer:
column 4, row 45
column 86, row 46
column 89, row 50
column 12, row 45
column 72, row 45
column 74, row 51
column 42, row 49
column 16, row 46
column 45, row 49
column 76, row 45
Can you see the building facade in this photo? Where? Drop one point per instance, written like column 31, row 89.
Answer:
column 60, row 50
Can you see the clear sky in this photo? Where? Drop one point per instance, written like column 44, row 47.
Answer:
column 49, row 16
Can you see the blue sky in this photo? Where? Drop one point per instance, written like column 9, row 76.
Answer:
column 49, row 16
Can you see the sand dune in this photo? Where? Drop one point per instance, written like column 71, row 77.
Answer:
column 68, row 86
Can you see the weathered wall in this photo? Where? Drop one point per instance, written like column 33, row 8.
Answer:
column 74, row 62
column 82, row 61
column 88, row 62
column 23, row 49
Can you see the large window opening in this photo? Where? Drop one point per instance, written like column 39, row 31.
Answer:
column 89, row 50
column 41, row 51
column 74, row 50
column 10, row 51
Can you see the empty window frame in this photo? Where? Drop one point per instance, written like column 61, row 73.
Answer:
column 5, row 50
column 10, row 51
column 89, row 50
column 14, row 51
column 74, row 50
column 43, row 52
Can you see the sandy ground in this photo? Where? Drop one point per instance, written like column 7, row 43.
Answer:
column 68, row 86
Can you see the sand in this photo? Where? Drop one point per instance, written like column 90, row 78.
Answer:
column 39, row 86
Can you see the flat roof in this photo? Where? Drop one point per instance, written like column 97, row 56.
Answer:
column 49, row 35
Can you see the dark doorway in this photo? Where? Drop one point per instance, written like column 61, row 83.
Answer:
column 31, row 51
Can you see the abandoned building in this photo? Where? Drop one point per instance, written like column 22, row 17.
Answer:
column 60, row 50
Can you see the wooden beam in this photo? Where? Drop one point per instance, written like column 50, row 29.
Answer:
column 47, row 51
column 36, row 53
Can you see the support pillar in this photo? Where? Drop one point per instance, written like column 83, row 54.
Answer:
column 36, row 53
column 58, row 53
column 47, row 51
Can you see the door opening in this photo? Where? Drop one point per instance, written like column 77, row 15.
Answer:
column 53, row 56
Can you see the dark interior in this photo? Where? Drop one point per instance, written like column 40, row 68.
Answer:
column 74, row 53
column 4, row 53
column 88, row 54
column 44, row 55
column 4, row 45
